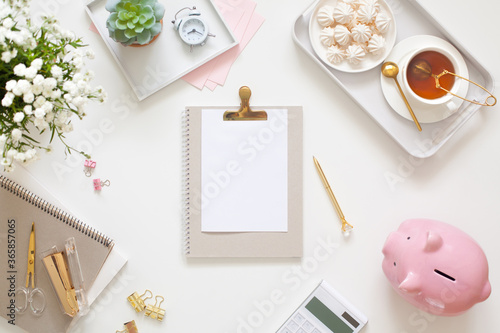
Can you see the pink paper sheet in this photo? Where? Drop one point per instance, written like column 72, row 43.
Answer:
column 244, row 22
column 226, row 60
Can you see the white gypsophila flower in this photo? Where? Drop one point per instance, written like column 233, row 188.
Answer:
column 39, row 113
column 20, row 69
column 66, row 128
column 5, row 162
column 28, row 98
column 41, row 124
column 7, row 56
column 56, row 71
column 8, row 99
column 71, row 88
column 18, row 117
column 20, row 157
column 37, row 64
column 79, row 101
column 8, row 23
column 10, row 85
column 90, row 54
column 16, row 134
column 68, row 98
column 11, row 153
column 17, row 90
column 3, row 139
column 49, row 83
column 28, row 109
column 37, row 89
column 62, row 117
column 30, row 73
column 39, row 102
column 88, row 76
column 30, row 154
column 48, row 106
column 49, row 117
column 56, row 94
column 84, row 87
column 78, row 77
column 38, row 80
column 24, row 86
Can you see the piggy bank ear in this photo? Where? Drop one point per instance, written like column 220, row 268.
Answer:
column 433, row 242
column 411, row 284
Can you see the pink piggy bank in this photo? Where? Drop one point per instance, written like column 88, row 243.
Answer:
column 436, row 267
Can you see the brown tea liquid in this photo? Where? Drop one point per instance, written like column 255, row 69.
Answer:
column 426, row 88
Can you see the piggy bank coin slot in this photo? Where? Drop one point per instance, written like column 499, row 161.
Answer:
column 444, row 275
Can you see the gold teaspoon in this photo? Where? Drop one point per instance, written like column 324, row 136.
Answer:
column 391, row 70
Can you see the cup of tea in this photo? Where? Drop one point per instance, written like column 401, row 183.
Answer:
column 419, row 73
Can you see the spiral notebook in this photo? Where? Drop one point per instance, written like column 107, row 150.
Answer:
column 19, row 208
column 243, row 183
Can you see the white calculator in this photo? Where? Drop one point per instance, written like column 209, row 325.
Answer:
column 324, row 311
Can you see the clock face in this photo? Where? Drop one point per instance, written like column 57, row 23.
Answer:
column 193, row 31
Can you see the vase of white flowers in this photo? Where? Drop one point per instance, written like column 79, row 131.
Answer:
column 43, row 84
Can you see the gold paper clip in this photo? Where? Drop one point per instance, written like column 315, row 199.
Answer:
column 137, row 301
column 130, row 327
column 245, row 113
column 57, row 269
column 154, row 311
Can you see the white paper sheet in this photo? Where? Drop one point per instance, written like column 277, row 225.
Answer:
column 244, row 173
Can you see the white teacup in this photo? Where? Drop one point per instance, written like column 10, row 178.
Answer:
column 460, row 87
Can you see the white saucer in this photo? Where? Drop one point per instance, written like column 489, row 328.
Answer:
column 423, row 112
column 370, row 61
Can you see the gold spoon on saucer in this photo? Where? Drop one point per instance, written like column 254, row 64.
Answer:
column 391, row 70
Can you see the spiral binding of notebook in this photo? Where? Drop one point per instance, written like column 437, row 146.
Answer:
column 186, row 179
column 59, row 214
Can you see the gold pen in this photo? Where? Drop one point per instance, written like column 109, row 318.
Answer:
column 346, row 227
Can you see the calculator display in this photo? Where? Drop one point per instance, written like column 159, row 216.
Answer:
column 330, row 319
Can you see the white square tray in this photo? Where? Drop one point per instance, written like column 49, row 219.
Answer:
column 411, row 19
column 152, row 67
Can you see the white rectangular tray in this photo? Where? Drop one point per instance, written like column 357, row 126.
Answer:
column 411, row 19
column 152, row 67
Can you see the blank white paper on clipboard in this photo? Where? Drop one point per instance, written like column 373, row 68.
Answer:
column 244, row 173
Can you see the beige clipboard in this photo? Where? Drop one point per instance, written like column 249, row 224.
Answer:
column 242, row 244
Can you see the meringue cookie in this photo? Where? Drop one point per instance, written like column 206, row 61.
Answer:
column 343, row 13
column 361, row 33
column 376, row 44
column 353, row 3
column 370, row 3
column 327, row 36
column 382, row 22
column 335, row 54
column 342, row 34
column 325, row 16
column 366, row 14
column 353, row 22
column 354, row 54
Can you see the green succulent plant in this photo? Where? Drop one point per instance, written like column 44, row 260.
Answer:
column 134, row 21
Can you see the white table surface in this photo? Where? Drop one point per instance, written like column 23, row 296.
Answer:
column 139, row 151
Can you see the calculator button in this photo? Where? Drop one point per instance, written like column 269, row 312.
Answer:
column 292, row 326
column 286, row 330
column 316, row 331
column 299, row 318
column 301, row 331
column 307, row 326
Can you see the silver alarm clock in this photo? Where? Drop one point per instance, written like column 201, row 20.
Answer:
column 192, row 28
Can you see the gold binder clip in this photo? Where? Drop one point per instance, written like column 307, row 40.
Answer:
column 154, row 311
column 245, row 113
column 130, row 327
column 137, row 301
